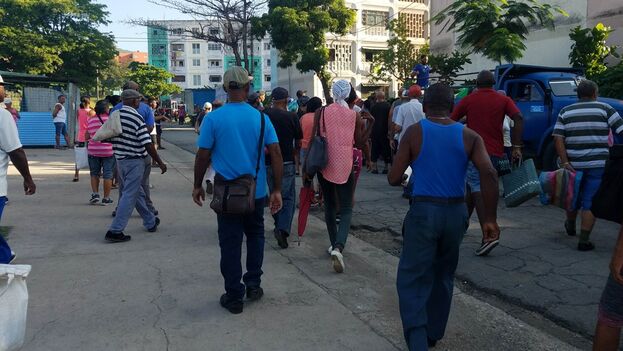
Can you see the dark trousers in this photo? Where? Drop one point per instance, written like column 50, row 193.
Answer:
column 432, row 237
column 5, row 250
column 231, row 230
column 381, row 149
column 338, row 195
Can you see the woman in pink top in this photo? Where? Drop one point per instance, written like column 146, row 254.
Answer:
column 343, row 129
column 101, row 157
column 84, row 112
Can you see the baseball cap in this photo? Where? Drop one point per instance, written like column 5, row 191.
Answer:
column 130, row 94
column 280, row 93
column 415, row 91
column 303, row 100
column 8, row 101
column 235, row 78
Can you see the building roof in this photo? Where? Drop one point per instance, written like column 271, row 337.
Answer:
column 17, row 77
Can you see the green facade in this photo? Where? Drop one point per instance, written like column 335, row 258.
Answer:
column 257, row 72
column 158, row 46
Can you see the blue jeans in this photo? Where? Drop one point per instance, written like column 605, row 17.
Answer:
column 60, row 128
column 432, row 237
column 144, row 184
column 231, row 231
column 131, row 171
column 5, row 249
column 283, row 218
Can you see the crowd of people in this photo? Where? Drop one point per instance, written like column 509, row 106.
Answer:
column 454, row 155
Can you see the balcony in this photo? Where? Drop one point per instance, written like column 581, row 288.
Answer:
column 377, row 31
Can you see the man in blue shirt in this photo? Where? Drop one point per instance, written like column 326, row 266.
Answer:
column 148, row 116
column 421, row 72
column 229, row 140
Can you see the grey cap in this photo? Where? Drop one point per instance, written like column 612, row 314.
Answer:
column 130, row 94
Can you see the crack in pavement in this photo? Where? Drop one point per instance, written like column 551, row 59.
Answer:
column 153, row 302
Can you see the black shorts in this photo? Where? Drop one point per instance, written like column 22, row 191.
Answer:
column 158, row 129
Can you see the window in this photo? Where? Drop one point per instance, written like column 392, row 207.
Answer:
column 368, row 55
column 179, row 79
column 267, row 78
column 267, row 62
column 331, row 55
column 415, row 23
column 177, row 47
column 214, row 47
column 177, row 63
column 196, row 62
column 177, row 31
column 158, row 49
column 374, row 18
column 525, row 92
column 196, row 79
column 155, row 32
column 214, row 63
column 214, row 31
column 196, row 30
column 564, row 87
column 196, row 48
column 215, row 79
column 267, row 46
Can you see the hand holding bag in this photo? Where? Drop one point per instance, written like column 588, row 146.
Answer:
column 561, row 188
column 237, row 196
column 317, row 156
column 521, row 184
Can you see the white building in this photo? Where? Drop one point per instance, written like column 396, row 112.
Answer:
column 200, row 64
column 351, row 54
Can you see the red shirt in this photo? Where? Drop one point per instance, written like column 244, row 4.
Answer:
column 485, row 110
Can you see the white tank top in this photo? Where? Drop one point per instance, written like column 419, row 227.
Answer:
column 61, row 116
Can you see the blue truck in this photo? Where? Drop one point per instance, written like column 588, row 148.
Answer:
column 540, row 93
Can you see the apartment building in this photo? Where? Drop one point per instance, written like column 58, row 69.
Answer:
column 351, row 55
column 197, row 63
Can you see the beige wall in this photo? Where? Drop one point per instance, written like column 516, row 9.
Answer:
column 610, row 13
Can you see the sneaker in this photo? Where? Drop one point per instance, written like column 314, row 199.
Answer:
column 156, row 213
column 329, row 250
column 338, row 261
column 587, row 246
column 13, row 256
column 114, row 213
column 570, row 228
column 234, row 306
column 117, row 237
column 95, row 199
column 209, row 187
column 155, row 227
column 255, row 293
column 282, row 238
column 486, row 248
column 107, row 201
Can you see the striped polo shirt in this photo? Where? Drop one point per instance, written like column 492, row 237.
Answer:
column 585, row 126
column 134, row 136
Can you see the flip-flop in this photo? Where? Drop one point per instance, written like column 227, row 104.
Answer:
column 76, row 180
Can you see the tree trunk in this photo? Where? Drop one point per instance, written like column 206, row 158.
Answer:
column 325, row 80
column 236, row 51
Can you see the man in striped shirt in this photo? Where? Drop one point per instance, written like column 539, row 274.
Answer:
column 130, row 148
column 581, row 137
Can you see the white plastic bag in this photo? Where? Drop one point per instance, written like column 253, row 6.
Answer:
column 110, row 129
column 13, row 305
column 82, row 157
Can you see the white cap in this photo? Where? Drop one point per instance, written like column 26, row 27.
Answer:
column 8, row 101
column 207, row 105
column 1, row 81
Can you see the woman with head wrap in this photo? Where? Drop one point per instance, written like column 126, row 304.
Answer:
column 343, row 128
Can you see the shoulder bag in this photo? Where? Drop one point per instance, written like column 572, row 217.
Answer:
column 111, row 128
column 317, row 156
column 237, row 196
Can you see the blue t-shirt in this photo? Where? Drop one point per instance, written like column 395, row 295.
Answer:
column 232, row 133
column 144, row 110
column 423, row 73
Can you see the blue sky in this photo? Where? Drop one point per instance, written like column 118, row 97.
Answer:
column 132, row 37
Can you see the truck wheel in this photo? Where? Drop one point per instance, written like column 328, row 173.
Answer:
column 550, row 159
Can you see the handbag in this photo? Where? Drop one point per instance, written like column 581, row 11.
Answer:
column 317, row 156
column 13, row 305
column 111, row 128
column 82, row 157
column 237, row 196
column 561, row 188
column 607, row 202
column 521, row 184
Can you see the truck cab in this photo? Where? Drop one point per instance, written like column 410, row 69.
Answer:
column 540, row 93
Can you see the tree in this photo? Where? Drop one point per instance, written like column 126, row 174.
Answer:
column 298, row 30
column 589, row 49
column 232, row 17
column 610, row 82
column 112, row 78
column 55, row 37
column 496, row 29
column 398, row 60
column 154, row 81
column 448, row 66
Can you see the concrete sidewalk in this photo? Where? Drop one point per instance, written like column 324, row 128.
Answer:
column 160, row 291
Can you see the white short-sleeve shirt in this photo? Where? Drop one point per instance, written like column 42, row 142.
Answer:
column 9, row 141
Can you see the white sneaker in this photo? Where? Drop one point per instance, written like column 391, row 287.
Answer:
column 338, row 261
column 13, row 256
column 329, row 250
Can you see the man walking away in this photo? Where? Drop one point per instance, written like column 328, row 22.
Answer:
column 421, row 72
column 131, row 148
column 581, row 139
column 59, row 117
column 289, row 133
column 485, row 110
column 409, row 113
column 380, row 143
column 229, row 140
column 10, row 148
column 438, row 151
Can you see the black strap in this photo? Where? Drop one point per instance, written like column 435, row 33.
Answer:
column 317, row 122
column 100, row 118
column 260, row 144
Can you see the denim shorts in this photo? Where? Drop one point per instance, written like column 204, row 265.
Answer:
column 611, row 304
column 61, row 128
column 472, row 177
column 97, row 164
column 591, row 180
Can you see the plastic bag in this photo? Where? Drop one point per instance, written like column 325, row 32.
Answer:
column 82, row 157
column 13, row 305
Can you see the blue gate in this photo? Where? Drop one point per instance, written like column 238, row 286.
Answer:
column 37, row 129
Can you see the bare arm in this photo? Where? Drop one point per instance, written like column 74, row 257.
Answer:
column 405, row 155
column 57, row 108
column 276, row 162
column 360, row 138
column 151, row 150
column 488, row 177
column 561, row 150
column 202, row 161
column 517, row 135
column 18, row 157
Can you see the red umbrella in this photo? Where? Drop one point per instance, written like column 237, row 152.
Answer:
column 305, row 198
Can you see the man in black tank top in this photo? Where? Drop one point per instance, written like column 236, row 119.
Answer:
column 435, row 225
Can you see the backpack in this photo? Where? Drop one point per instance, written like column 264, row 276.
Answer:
column 110, row 129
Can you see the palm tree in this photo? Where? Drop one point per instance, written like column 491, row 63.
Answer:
column 496, row 29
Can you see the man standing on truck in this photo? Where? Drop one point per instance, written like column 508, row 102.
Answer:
column 485, row 110
column 581, row 139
